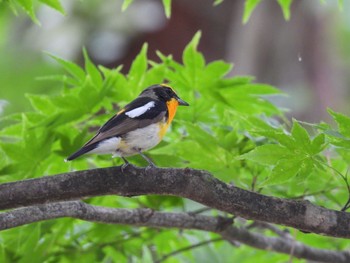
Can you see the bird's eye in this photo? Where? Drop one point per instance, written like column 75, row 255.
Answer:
column 169, row 91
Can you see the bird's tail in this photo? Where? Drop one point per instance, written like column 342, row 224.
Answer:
column 81, row 151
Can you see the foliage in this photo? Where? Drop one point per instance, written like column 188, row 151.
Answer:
column 250, row 5
column 285, row 5
column 228, row 129
column 231, row 129
column 29, row 6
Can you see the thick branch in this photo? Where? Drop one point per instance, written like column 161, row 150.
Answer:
column 196, row 185
column 150, row 218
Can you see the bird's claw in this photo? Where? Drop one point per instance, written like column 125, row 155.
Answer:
column 150, row 167
column 125, row 166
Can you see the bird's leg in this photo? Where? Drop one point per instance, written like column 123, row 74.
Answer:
column 126, row 164
column 150, row 163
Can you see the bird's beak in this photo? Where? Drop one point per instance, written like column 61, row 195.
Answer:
column 182, row 102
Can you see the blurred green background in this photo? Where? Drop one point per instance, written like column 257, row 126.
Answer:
column 306, row 56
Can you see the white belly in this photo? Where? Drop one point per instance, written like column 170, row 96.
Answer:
column 131, row 143
column 141, row 140
column 107, row 146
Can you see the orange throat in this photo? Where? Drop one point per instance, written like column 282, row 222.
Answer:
column 172, row 106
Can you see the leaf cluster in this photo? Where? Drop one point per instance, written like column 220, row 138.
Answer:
column 230, row 129
column 208, row 134
column 29, row 7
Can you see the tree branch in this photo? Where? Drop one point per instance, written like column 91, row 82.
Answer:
column 196, row 185
column 150, row 218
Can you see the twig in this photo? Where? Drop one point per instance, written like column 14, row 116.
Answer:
column 311, row 194
column 291, row 256
column 199, row 211
column 184, row 249
column 345, row 179
column 270, row 227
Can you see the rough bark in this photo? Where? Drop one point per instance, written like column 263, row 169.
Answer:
column 150, row 218
column 193, row 184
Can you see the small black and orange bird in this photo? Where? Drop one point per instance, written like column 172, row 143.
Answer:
column 138, row 127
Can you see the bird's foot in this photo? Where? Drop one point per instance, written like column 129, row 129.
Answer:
column 126, row 166
column 150, row 163
column 150, row 167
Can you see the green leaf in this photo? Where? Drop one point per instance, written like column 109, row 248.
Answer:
column 192, row 59
column 252, row 89
column 218, row 2
column 216, row 70
column 247, row 99
column 191, row 48
column 249, row 7
column 112, row 254
column 156, row 74
column 3, row 159
column 111, row 78
column 92, row 70
column 318, row 144
column 126, row 4
column 229, row 141
column 27, row 5
column 193, row 44
column 306, row 167
column 343, row 122
column 41, row 103
column 55, row 4
column 66, row 102
column 138, row 68
column 285, row 6
column 201, row 136
column 301, row 136
column 341, row 4
column 30, row 240
column 167, row 7
column 146, row 254
column 89, row 97
column 280, row 136
column 70, row 67
column 194, row 63
column 283, row 171
column 236, row 81
column 268, row 154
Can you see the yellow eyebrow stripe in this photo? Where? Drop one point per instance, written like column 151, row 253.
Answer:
column 121, row 111
column 165, row 85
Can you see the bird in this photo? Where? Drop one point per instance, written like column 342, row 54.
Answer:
column 137, row 127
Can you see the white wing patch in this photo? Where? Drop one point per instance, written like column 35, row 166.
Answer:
column 140, row 110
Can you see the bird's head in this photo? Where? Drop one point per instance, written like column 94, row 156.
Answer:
column 164, row 93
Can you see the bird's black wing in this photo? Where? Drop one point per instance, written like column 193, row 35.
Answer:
column 121, row 123
column 124, row 122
